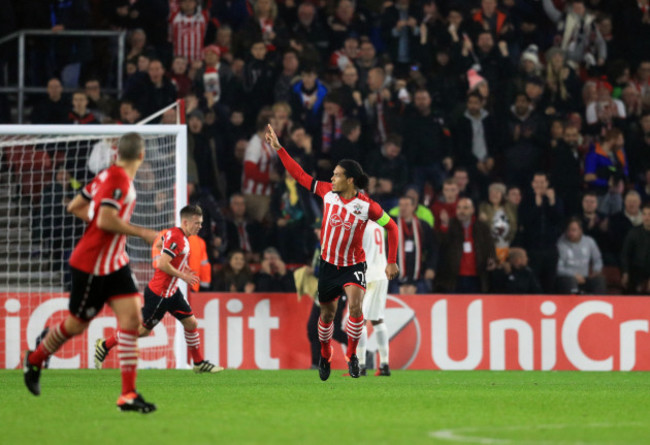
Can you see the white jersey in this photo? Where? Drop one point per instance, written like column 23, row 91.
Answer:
column 375, row 249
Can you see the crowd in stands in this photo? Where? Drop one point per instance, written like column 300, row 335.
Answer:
column 509, row 139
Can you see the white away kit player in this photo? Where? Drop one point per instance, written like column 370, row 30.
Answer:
column 374, row 301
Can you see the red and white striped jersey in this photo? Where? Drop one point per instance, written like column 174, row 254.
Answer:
column 99, row 252
column 344, row 220
column 258, row 163
column 177, row 246
column 188, row 32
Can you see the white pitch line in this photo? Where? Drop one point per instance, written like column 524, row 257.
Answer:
column 465, row 434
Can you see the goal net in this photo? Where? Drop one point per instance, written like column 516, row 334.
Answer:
column 42, row 168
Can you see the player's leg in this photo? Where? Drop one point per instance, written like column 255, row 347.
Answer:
column 354, row 326
column 178, row 306
column 325, row 333
column 381, row 332
column 55, row 338
column 85, row 303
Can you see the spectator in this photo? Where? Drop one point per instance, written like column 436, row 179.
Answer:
column 259, row 171
column 476, row 139
column 264, row 26
column 421, row 211
column 288, row 76
column 307, row 102
column 258, row 79
column 401, row 32
column 128, row 113
column 234, row 275
column 382, row 118
column 606, row 170
column 562, row 82
column 580, row 264
column 310, row 29
column 349, row 93
column 635, row 257
column 273, row 275
column 366, row 61
column 344, row 22
column 622, row 222
column 80, row 114
column 466, row 188
column 344, row 56
column 427, row 144
column 513, row 195
column 389, row 168
column 539, row 219
column 243, row 233
column 212, row 82
column 525, row 136
column 202, row 149
column 417, row 252
column 155, row 92
column 300, row 148
column 566, row 169
column 580, row 37
column 188, row 27
column 54, row 109
column 179, row 77
column 444, row 208
column 466, row 253
column 333, row 117
column 347, row 147
column 644, row 187
column 102, row 106
column 513, row 276
column 199, row 264
column 281, row 120
column 595, row 224
column 501, row 217
column 604, row 113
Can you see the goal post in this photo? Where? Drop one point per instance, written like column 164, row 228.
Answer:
column 41, row 168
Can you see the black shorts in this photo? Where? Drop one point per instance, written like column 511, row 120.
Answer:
column 332, row 279
column 89, row 293
column 155, row 307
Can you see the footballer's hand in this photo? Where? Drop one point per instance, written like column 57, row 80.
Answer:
column 191, row 278
column 149, row 236
column 391, row 271
column 272, row 138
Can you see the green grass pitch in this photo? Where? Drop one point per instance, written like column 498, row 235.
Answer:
column 287, row 407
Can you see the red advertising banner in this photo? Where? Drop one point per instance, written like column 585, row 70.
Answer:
column 269, row 331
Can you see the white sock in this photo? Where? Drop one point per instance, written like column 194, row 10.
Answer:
column 361, row 347
column 381, row 332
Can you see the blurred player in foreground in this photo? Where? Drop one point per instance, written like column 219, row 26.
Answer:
column 101, row 273
column 162, row 295
column 343, row 266
column 374, row 301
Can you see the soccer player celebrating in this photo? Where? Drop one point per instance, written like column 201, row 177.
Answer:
column 162, row 295
column 101, row 273
column 346, row 212
column 374, row 301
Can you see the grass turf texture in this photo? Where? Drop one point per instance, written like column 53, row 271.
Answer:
column 296, row 407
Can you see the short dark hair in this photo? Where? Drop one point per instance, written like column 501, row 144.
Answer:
column 349, row 125
column 263, row 118
column 394, row 139
column 353, row 170
column 590, row 193
column 645, row 206
column 130, row 146
column 191, row 210
column 475, row 94
column 574, row 219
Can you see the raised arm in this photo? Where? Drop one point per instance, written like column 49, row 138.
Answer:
column 294, row 169
column 551, row 11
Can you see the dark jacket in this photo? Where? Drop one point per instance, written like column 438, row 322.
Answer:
column 618, row 228
column 518, row 281
column 48, row 112
column 389, row 20
column 148, row 98
column 426, row 140
column 539, row 226
column 451, row 252
column 463, row 135
column 566, row 176
column 635, row 255
column 274, row 283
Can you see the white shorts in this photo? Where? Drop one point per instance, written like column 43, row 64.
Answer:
column 374, row 300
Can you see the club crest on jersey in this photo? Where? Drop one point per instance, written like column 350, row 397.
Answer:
column 356, row 209
column 336, row 221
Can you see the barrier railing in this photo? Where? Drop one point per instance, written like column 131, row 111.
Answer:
column 20, row 37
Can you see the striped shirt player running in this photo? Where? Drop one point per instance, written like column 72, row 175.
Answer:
column 100, row 271
column 345, row 214
column 162, row 294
